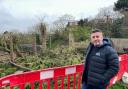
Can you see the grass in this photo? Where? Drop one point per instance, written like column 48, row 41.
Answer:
column 119, row 85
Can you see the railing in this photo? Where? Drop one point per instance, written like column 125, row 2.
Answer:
column 55, row 78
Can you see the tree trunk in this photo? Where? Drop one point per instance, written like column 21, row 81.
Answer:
column 12, row 54
column 71, row 38
column 43, row 36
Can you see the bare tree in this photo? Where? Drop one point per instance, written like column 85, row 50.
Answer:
column 105, row 19
column 41, row 27
column 62, row 22
column 108, row 11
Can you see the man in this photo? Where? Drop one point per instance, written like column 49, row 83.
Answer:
column 101, row 62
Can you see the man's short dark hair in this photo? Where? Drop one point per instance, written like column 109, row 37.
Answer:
column 96, row 30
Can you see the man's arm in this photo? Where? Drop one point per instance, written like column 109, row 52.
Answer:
column 113, row 64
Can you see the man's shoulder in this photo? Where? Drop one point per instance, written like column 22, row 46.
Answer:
column 110, row 49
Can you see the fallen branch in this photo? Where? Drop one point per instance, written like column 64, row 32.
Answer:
column 19, row 66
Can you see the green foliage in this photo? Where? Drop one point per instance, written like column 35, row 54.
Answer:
column 38, row 39
column 9, row 70
column 81, row 33
column 116, row 31
column 82, row 22
column 57, row 39
column 121, row 4
column 6, row 69
column 61, row 56
column 51, row 58
column 26, row 38
column 105, row 27
column 119, row 85
column 112, row 29
column 61, row 37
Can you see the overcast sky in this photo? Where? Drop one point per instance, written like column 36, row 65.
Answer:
column 23, row 14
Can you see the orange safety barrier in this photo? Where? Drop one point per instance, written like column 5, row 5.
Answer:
column 56, row 78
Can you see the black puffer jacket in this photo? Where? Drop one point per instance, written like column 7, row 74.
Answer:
column 103, row 65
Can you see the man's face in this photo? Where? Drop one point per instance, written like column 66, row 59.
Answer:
column 97, row 38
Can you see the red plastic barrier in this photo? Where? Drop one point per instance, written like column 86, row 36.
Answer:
column 123, row 63
column 62, row 77
column 58, row 78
